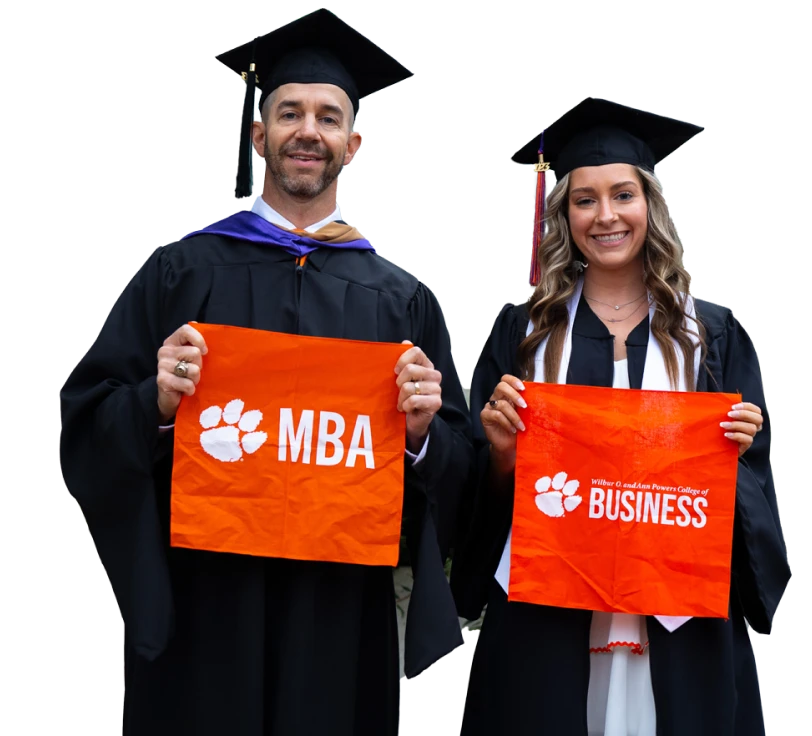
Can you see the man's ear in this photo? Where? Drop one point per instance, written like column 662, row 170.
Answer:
column 353, row 144
column 258, row 137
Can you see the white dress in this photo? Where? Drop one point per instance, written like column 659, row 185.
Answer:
column 620, row 700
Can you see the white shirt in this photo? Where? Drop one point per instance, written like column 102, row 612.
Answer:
column 266, row 212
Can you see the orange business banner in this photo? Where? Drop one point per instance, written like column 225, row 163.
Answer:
column 624, row 501
column 291, row 447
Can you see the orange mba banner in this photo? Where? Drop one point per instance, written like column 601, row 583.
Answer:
column 624, row 501
column 291, row 447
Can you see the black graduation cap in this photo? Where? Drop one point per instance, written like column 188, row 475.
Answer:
column 318, row 48
column 597, row 132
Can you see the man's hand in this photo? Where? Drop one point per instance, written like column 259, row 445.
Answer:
column 420, row 394
column 184, row 344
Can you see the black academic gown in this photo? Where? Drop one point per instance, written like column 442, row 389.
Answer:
column 531, row 668
column 228, row 644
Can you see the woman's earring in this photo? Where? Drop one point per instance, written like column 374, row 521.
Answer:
column 579, row 266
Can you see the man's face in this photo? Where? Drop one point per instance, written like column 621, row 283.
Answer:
column 307, row 138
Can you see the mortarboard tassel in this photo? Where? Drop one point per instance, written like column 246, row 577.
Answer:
column 538, row 225
column 245, row 162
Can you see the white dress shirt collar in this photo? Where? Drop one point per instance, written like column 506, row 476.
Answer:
column 266, row 212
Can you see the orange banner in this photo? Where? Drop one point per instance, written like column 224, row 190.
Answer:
column 291, row 447
column 624, row 501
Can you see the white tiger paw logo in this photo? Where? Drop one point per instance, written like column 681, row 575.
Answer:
column 561, row 499
column 225, row 443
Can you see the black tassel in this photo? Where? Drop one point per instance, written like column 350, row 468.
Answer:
column 245, row 177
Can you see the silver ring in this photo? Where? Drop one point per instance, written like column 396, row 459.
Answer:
column 181, row 369
column 493, row 403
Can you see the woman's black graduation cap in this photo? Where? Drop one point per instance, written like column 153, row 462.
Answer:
column 318, row 48
column 594, row 133
column 597, row 132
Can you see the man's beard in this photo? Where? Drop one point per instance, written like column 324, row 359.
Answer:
column 304, row 185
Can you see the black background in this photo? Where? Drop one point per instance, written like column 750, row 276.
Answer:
column 140, row 144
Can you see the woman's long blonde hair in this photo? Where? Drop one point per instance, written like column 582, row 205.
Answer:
column 664, row 276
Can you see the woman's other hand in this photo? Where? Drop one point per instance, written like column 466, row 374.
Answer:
column 746, row 421
column 501, row 422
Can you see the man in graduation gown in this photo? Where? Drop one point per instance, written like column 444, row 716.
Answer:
column 231, row 644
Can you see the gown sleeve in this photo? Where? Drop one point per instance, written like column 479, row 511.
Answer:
column 485, row 514
column 433, row 489
column 442, row 474
column 108, row 451
column 760, row 569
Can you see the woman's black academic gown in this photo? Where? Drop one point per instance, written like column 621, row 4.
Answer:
column 221, row 644
column 531, row 668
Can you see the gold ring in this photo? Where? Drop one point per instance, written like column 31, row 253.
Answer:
column 181, row 369
column 417, row 388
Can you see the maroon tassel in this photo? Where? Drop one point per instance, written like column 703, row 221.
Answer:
column 538, row 228
column 538, row 225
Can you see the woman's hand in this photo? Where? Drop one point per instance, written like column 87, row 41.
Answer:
column 747, row 420
column 501, row 422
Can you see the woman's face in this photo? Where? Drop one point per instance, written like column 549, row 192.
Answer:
column 608, row 215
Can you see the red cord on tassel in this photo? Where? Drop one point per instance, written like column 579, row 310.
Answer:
column 538, row 225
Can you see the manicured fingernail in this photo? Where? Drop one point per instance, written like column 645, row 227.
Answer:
column 521, row 402
column 521, row 425
column 726, row 425
column 733, row 414
column 729, row 435
column 519, row 386
column 513, row 429
column 738, row 406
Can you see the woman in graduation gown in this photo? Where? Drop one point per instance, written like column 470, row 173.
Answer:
column 611, row 285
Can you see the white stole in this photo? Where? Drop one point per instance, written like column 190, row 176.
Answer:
column 655, row 378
